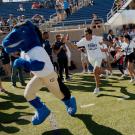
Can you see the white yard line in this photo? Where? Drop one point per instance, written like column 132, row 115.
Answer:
column 86, row 106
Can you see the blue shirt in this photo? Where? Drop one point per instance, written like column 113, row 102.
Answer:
column 66, row 4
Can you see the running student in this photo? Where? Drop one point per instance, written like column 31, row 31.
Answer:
column 92, row 46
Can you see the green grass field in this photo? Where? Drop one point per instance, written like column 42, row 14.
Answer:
column 112, row 112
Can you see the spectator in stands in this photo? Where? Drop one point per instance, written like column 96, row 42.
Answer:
column 59, row 10
column 46, row 44
column 5, row 62
column 96, row 22
column 21, row 19
column 4, row 27
column 38, row 19
column 49, row 4
column 60, row 49
column 35, row 5
column 70, row 5
column 11, row 21
column 21, row 8
column 67, row 8
column 16, row 72
column 91, row 2
column 118, row 3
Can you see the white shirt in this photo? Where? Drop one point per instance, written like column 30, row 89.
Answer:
column 39, row 53
column 128, row 48
column 105, row 54
column 92, row 47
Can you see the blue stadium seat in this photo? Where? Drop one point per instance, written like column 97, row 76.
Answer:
column 11, row 8
column 101, row 8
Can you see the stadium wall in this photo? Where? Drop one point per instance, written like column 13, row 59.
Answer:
column 121, row 18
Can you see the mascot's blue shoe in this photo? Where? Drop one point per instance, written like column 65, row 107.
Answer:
column 71, row 106
column 42, row 112
column 40, row 115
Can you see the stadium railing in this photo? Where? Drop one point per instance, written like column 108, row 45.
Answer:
column 75, row 24
column 115, row 9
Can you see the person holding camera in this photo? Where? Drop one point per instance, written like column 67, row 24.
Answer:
column 60, row 50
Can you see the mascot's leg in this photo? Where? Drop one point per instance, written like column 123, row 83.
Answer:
column 60, row 90
column 68, row 100
column 42, row 112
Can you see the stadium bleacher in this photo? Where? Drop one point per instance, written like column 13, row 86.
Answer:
column 101, row 8
column 11, row 8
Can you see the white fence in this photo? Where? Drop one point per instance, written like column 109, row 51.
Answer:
column 115, row 9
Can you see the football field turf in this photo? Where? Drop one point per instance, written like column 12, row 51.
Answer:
column 111, row 112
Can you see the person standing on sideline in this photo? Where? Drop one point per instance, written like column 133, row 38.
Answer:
column 60, row 50
column 16, row 72
column 46, row 44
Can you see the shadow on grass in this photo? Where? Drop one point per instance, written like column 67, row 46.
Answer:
column 130, row 95
column 95, row 128
column 87, row 84
column 123, row 90
column 107, row 95
column 13, row 97
column 9, row 129
column 58, row 132
column 12, row 118
column 5, row 105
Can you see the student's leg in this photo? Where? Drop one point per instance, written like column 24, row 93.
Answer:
column 129, row 66
column 97, row 77
column 121, row 68
column 97, row 65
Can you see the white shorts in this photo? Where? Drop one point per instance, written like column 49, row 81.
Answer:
column 96, row 62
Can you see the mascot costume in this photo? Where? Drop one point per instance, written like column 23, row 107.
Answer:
column 34, row 58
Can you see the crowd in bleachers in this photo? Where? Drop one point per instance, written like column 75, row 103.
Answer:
column 64, row 8
column 7, row 24
column 118, row 4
